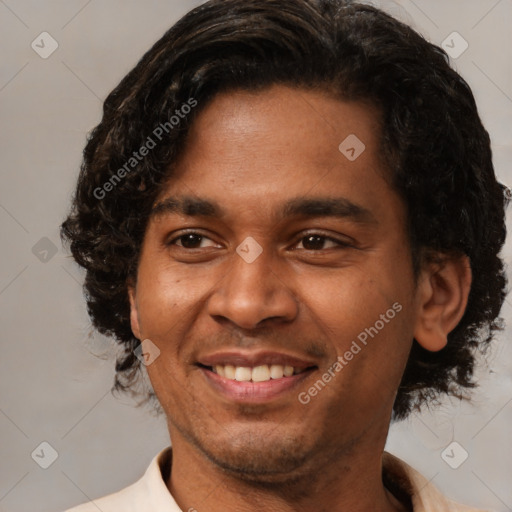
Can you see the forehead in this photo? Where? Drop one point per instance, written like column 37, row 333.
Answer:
column 263, row 151
column 282, row 124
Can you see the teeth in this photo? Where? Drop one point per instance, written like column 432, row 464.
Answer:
column 229, row 371
column 276, row 371
column 288, row 371
column 243, row 374
column 260, row 373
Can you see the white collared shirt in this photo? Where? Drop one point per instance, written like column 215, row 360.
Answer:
column 150, row 493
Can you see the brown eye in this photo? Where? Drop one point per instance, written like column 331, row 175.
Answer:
column 313, row 242
column 318, row 242
column 192, row 241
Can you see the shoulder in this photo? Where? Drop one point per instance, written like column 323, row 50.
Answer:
column 148, row 493
column 117, row 502
column 425, row 497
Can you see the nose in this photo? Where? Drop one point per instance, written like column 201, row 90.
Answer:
column 252, row 294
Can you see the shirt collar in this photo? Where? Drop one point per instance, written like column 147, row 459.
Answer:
column 423, row 494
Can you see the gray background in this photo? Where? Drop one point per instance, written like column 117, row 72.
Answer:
column 56, row 373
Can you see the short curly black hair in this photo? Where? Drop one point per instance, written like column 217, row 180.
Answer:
column 436, row 149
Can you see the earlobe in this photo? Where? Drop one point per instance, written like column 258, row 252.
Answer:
column 442, row 295
column 134, row 314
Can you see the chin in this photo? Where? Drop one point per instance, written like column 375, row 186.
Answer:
column 258, row 458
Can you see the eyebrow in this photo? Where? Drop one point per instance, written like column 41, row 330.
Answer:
column 305, row 207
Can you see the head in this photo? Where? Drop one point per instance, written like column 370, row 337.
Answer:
column 238, row 117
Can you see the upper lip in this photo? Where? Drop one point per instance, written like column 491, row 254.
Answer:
column 252, row 359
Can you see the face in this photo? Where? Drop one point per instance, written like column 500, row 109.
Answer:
column 276, row 281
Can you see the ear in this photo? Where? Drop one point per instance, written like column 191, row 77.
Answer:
column 442, row 294
column 134, row 313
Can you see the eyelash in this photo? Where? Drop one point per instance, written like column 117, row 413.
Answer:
column 326, row 238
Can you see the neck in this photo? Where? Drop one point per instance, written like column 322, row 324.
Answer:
column 350, row 480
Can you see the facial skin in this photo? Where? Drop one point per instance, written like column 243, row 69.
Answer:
column 308, row 298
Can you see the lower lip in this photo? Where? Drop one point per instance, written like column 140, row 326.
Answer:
column 254, row 392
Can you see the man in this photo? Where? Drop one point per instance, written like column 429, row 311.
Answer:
column 289, row 213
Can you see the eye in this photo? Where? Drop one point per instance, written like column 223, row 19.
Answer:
column 192, row 240
column 316, row 242
column 310, row 242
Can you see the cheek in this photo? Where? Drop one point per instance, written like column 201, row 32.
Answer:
column 363, row 314
column 168, row 303
column 166, row 296
column 346, row 302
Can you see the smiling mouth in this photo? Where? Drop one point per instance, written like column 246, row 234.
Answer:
column 260, row 373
